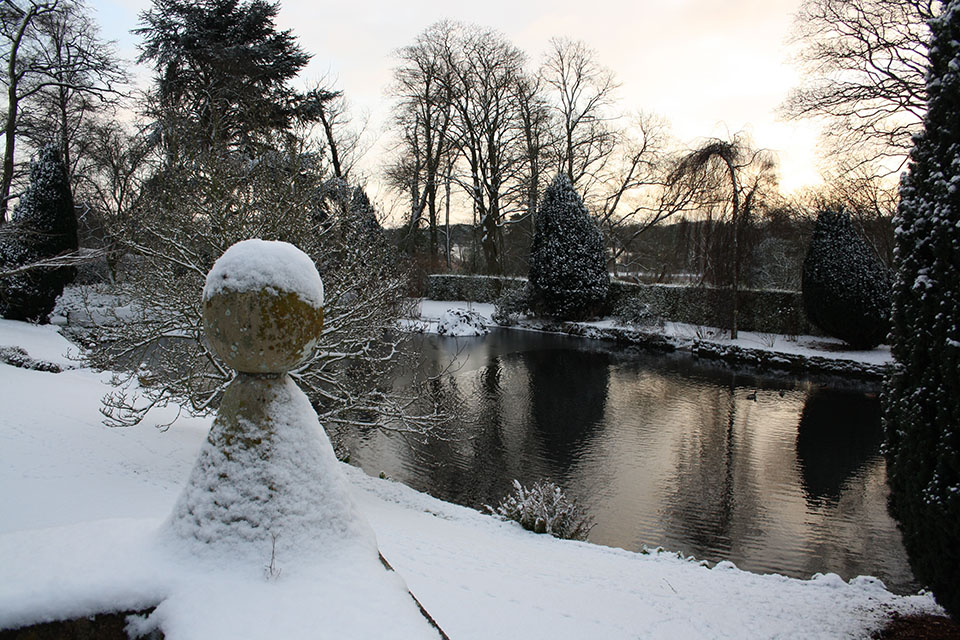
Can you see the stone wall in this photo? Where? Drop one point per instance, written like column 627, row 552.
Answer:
column 766, row 311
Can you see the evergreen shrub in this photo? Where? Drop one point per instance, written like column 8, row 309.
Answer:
column 846, row 289
column 568, row 267
column 43, row 226
column 922, row 396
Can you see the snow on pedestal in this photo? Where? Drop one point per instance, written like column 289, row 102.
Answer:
column 267, row 493
column 267, row 474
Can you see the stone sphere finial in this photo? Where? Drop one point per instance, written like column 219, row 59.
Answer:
column 263, row 306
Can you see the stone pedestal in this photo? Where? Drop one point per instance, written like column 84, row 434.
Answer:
column 267, row 478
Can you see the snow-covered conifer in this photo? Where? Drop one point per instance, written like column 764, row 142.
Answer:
column 846, row 289
column 43, row 226
column 922, row 400
column 365, row 214
column 568, row 270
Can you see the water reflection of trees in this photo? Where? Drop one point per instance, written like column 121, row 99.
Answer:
column 715, row 495
column 525, row 416
column 839, row 432
column 843, row 479
column 568, row 396
column 666, row 452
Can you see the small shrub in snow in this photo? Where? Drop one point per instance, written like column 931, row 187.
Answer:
column 568, row 265
column 43, row 226
column 18, row 357
column 461, row 323
column 846, row 289
column 543, row 508
column 922, row 398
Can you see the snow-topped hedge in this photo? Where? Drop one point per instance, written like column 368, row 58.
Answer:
column 449, row 286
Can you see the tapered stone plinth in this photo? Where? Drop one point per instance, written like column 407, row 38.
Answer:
column 267, row 477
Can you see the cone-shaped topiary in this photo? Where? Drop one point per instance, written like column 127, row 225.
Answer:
column 846, row 289
column 922, row 399
column 568, row 269
column 43, row 226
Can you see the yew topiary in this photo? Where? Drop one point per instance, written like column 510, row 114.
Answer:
column 568, row 268
column 43, row 226
column 846, row 289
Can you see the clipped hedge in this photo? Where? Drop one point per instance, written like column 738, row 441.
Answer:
column 446, row 286
column 767, row 311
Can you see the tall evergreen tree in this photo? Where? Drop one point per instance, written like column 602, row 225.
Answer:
column 846, row 289
column 922, row 400
column 568, row 267
column 223, row 71
column 44, row 226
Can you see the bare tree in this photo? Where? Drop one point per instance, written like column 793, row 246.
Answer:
column 864, row 61
column 345, row 140
column 19, row 49
column 582, row 91
column 538, row 136
column 111, row 185
column 424, row 87
column 88, row 79
column 489, row 131
column 55, row 61
column 185, row 220
column 746, row 173
column 636, row 189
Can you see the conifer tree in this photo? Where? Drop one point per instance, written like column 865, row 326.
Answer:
column 568, row 270
column 44, row 225
column 223, row 73
column 846, row 289
column 922, row 400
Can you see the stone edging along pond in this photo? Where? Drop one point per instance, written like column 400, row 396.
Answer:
column 775, row 312
column 761, row 359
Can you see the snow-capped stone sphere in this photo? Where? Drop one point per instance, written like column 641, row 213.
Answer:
column 263, row 306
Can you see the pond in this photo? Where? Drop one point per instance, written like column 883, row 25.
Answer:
column 776, row 474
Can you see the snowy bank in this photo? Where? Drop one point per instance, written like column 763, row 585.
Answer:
column 797, row 354
column 83, row 505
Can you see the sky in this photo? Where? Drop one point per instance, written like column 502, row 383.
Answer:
column 710, row 67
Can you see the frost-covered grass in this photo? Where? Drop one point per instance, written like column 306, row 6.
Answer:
column 82, row 505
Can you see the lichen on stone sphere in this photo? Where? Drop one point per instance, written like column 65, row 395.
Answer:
column 263, row 306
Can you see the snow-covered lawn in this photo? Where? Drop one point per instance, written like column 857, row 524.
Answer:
column 81, row 508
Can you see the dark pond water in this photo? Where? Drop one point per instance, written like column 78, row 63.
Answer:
column 775, row 474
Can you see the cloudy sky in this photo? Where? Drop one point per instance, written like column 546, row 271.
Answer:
column 710, row 67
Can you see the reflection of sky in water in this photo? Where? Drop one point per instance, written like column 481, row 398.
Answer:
column 777, row 475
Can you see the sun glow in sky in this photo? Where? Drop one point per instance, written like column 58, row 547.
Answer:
column 710, row 67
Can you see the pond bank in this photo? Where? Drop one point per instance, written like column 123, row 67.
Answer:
column 82, row 504
column 808, row 355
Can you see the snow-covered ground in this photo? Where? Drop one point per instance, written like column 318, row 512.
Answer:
column 82, row 506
